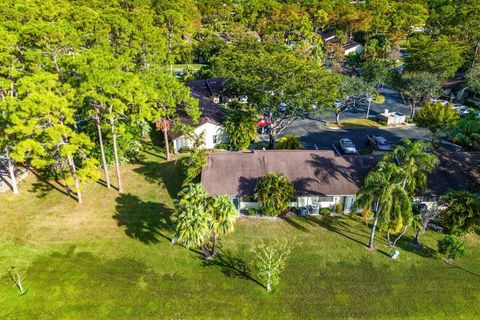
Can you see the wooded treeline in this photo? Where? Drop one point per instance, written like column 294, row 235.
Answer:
column 82, row 81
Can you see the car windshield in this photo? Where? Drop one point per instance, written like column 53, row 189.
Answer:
column 382, row 142
column 348, row 143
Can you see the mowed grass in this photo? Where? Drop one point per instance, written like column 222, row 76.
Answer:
column 111, row 258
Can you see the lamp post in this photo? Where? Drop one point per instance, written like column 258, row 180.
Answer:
column 369, row 99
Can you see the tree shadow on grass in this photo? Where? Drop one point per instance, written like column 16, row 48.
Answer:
column 230, row 265
column 168, row 174
column 407, row 244
column 465, row 270
column 293, row 221
column 145, row 221
column 330, row 224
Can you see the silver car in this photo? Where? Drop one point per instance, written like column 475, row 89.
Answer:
column 347, row 146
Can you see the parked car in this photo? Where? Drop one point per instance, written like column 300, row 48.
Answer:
column 461, row 108
column 379, row 142
column 347, row 146
column 443, row 102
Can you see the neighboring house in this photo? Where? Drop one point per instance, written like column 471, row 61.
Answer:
column 321, row 178
column 350, row 47
column 209, row 92
column 456, row 171
column 455, row 87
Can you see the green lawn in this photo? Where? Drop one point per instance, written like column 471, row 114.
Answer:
column 356, row 123
column 111, row 258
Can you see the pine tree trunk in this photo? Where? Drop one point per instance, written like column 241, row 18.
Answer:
column 115, row 152
column 11, row 171
column 102, row 151
column 73, row 171
column 167, row 147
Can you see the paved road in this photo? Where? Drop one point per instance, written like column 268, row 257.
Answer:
column 314, row 134
column 393, row 102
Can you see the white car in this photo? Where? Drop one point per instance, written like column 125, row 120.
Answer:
column 347, row 146
column 461, row 108
column 443, row 102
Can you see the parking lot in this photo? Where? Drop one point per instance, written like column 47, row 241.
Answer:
column 315, row 135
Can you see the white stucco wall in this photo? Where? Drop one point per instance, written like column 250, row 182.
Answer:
column 210, row 130
column 358, row 49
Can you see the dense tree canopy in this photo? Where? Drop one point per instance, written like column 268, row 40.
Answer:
column 101, row 71
column 278, row 83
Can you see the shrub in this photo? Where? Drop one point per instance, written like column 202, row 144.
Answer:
column 251, row 212
column 289, row 142
column 274, row 193
column 452, row 247
column 338, row 208
column 324, row 211
column 223, row 146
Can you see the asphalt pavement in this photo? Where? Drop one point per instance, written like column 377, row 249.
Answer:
column 315, row 135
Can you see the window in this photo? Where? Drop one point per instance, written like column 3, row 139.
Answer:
column 215, row 139
column 325, row 199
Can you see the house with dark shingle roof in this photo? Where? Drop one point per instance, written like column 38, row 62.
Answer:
column 323, row 179
column 209, row 92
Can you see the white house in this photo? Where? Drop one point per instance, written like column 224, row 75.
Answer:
column 209, row 92
column 350, row 47
column 320, row 177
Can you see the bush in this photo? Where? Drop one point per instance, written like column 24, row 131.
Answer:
column 452, row 247
column 251, row 212
column 289, row 142
column 324, row 211
column 339, row 208
column 223, row 146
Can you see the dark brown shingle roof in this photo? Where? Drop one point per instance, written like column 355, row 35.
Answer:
column 205, row 90
column 312, row 172
column 323, row 173
column 456, row 171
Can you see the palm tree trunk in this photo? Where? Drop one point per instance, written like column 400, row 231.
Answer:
column 214, row 244
column 115, row 153
column 374, row 226
column 167, row 147
column 102, row 151
column 416, row 239
column 11, row 171
column 401, row 235
column 73, row 171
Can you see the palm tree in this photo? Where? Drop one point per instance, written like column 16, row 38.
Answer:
column 383, row 194
column 274, row 192
column 415, row 161
column 222, row 215
column 200, row 216
column 416, row 164
column 289, row 142
column 192, row 227
column 462, row 213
